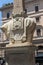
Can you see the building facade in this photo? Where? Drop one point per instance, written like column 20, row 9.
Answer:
column 34, row 9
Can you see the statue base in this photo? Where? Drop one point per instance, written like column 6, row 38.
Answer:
column 18, row 44
column 21, row 55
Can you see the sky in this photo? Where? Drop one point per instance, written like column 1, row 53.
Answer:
column 2, row 2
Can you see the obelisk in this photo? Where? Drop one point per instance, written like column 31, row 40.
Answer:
column 18, row 6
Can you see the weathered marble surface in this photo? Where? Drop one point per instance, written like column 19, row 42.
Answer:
column 19, row 30
column 21, row 55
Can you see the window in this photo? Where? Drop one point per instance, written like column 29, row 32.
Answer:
column 37, row 64
column 37, row 19
column 38, row 32
column 36, row 8
column 2, row 61
column 25, row 10
column 40, row 47
column 0, row 34
column 8, row 15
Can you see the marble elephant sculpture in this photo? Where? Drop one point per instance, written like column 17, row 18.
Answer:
column 28, row 26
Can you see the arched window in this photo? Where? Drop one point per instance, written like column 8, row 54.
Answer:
column 8, row 15
column 37, row 19
column 38, row 32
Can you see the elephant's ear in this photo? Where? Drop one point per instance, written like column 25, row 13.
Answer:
column 33, row 26
column 27, row 22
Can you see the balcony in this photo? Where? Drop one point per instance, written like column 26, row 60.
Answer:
column 2, row 41
column 38, row 41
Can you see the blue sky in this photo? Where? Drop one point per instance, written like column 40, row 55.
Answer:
column 2, row 2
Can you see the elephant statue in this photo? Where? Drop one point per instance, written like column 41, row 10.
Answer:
column 19, row 29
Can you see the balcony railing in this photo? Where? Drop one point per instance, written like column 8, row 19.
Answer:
column 38, row 38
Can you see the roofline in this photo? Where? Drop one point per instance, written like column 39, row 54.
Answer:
column 6, row 7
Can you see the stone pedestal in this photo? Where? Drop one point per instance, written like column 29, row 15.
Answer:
column 24, row 55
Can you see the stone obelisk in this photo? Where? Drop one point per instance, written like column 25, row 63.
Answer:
column 18, row 6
